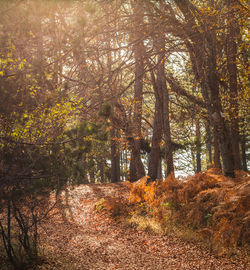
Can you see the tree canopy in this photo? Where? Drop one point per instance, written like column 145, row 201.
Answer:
column 100, row 91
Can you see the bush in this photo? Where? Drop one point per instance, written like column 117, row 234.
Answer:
column 217, row 207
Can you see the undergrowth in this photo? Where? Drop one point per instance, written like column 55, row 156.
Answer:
column 207, row 207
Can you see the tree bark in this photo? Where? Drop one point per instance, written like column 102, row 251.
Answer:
column 198, row 146
column 233, row 86
column 101, row 169
column 216, row 111
column 159, row 169
column 115, row 157
column 136, row 166
column 161, row 121
column 243, row 153
column 136, row 169
column 167, row 134
column 155, row 152
column 208, row 146
column 216, row 146
column 154, row 155
column 202, row 52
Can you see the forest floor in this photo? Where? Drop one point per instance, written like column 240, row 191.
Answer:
column 77, row 236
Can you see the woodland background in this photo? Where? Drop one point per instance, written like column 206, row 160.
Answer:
column 105, row 91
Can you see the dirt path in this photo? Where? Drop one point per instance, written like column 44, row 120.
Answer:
column 78, row 237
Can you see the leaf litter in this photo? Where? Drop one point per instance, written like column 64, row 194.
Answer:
column 78, row 237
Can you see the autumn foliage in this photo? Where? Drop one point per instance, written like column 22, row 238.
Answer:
column 216, row 206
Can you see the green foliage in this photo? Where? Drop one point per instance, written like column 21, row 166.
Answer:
column 208, row 218
column 81, row 151
column 68, row 72
column 106, row 110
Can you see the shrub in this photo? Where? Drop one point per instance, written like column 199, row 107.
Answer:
column 216, row 206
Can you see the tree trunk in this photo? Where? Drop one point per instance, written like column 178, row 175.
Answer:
column 167, row 134
column 198, row 146
column 154, row 155
column 161, row 121
column 155, row 152
column 243, row 153
column 208, row 146
column 115, row 157
column 101, row 169
column 216, row 109
column 203, row 53
column 136, row 169
column 233, row 86
column 136, row 166
column 216, row 158
column 159, row 169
